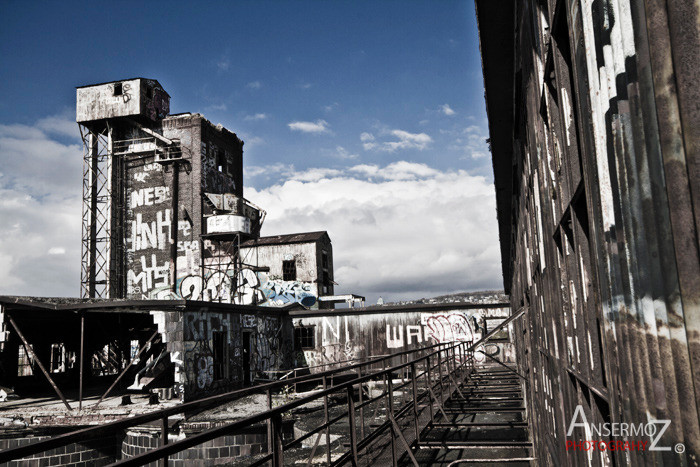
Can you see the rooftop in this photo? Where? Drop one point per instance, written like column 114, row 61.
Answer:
column 302, row 237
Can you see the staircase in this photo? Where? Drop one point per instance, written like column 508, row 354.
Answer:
column 481, row 423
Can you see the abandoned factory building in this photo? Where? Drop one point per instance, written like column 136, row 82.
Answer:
column 180, row 295
column 595, row 133
column 164, row 215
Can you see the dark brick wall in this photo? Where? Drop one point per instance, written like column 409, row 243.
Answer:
column 90, row 453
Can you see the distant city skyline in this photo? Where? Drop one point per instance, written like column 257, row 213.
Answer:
column 365, row 119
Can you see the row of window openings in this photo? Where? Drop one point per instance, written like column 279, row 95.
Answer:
column 106, row 361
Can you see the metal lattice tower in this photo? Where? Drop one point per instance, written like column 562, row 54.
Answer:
column 102, row 272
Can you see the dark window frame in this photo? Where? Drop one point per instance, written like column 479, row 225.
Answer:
column 305, row 337
column 289, row 269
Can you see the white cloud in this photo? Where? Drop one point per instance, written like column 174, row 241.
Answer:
column 258, row 116
column 40, row 205
column 445, row 109
column 344, row 154
column 319, row 126
column 331, row 107
column 305, row 85
column 400, row 170
column 63, row 125
column 277, row 169
column 472, row 143
column 254, row 85
column 404, row 230
column 217, row 107
column 404, row 140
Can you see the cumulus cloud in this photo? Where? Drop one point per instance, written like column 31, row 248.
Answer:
column 403, row 230
column 403, row 140
column 40, row 208
column 447, row 110
column 254, row 85
column 258, row 116
column 319, row 126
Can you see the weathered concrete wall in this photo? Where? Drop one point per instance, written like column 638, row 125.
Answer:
column 149, row 192
column 201, row 369
column 270, row 288
column 351, row 334
column 137, row 98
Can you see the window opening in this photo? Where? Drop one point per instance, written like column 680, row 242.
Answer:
column 25, row 363
column 304, row 338
column 289, row 270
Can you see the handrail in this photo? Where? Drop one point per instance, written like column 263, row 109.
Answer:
column 103, row 430
column 274, row 413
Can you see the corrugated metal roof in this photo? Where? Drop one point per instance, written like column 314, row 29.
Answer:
column 302, row 237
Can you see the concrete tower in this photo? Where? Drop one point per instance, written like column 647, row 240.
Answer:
column 163, row 206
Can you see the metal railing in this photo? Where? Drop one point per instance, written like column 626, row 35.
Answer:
column 395, row 416
column 189, row 408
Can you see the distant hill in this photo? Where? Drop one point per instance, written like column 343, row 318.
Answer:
column 479, row 297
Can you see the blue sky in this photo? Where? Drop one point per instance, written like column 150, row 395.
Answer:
column 384, row 97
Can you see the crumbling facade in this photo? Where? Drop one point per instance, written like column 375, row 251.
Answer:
column 179, row 349
column 163, row 197
column 595, row 133
column 288, row 268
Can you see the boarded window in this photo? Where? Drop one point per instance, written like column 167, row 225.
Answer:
column 219, row 351
column 304, row 337
column 25, row 363
column 289, row 270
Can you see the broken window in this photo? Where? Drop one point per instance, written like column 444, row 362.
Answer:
column 25, row 363
column 289, row 270
column 134, row 350
column 220, row 160
column 304, row 338
column 219, row 351
column 58, row 358
column 118, row 89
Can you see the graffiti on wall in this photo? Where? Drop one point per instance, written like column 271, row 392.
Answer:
column 339, row 339
column 259, row 288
